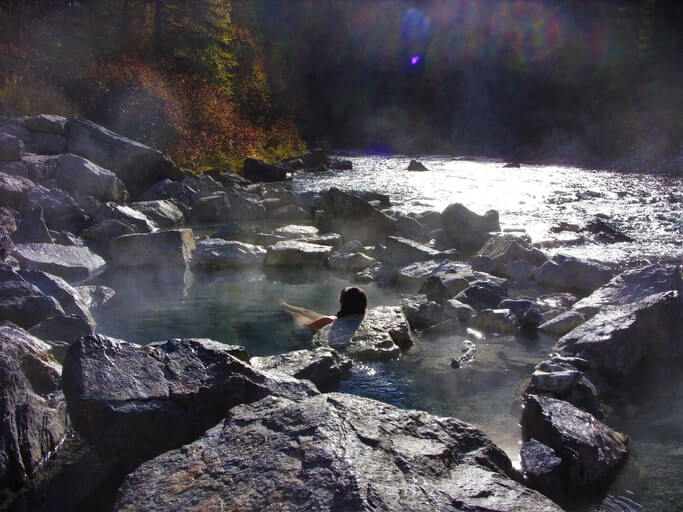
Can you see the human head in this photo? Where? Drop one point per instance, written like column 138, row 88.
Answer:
column 353, row 301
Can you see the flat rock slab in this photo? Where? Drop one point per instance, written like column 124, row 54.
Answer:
column 403, row 250
column 618, row 338
column 69, row 262
column 378, row 335
column 134, row 402
column 173, row 247
column 591, row 452
column 323, row 366
column 215, row 252
column 573, row 274
column 24, row 303
column 332, row 452
column 31, row 404
column 631, row 286
column 295, row 252
column 162, row 212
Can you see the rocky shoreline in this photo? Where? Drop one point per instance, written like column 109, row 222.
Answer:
column 196, row 423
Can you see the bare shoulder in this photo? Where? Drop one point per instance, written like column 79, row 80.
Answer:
column 321, row 322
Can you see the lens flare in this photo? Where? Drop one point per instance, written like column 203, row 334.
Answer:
column 415, row 59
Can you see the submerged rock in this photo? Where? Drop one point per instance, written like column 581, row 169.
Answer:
column 31, row 404
column 323, row 366
column 330, row 453
column 377, row 335
column 134, row 402
column 214, row 252
column 591, row 452
column 70, row 262
column 414, row 165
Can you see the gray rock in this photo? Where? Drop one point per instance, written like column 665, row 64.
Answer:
column 324, row 367
column 31, row 227
column 519, row 271
column 410, row 228
column 414, row 165
column 14, row 169
column 46, row 123
column 296, row 231
column 295, row 252
column 40, row 167
column 31, row 404
column 619, row 338
column 422, row 313
column 573, row 274
column 631, row 286
column 67, row 296
column 131, row 217
column 173, row 247
column 134, row 402
column 453, row 308
column 137, row 165
column 23, row 303
column 94, row 296
column 10, row 147
column 332, row 452
column 168, row 189
column 415, row 275
column 257, row 170
column 60, row 210
column 591, row 452
column 48, row 143
column 377, row 335
column 482, row 295
column 379, row 272
column 499, row 321
column 14, row 189
column 506, row 249
column 106, row 230
column 76, row 174
column 466, row 230
column 353, row 262
column 228, row 206
column 290, row 212
column 341, row 165
column 163, row 213
column 562, row 323
column 214, row 252
column 69, row 262
column 541, row 467
column 68, row 328
column 353, row 217
column 402, row 251
column 527, row 312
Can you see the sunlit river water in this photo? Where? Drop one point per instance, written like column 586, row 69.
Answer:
column 241, row 307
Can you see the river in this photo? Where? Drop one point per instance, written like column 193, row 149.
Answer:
column 241, row 307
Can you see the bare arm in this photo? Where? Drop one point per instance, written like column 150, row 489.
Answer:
column 321, row 322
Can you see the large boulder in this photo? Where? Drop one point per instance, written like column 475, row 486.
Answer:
column 163, row 213
column 466, row 230
column 323, row 366
column 14, row 189
column 72, row 263
column 377, row 335
column 173, row 247
column 353, row 261
column 332, row 452
column 31, row 226
column 563, row 323
column 214, row 252
column 133, row 217
column 31, row 404
column 10, row 147
column 415, row 165
column 76, row 174
column 48, row 143
column 631, row 286
column 482, row 295
column 591, row 452
column 179, row 191
column 296, row 252
column 23, row 303
column 46, row 123
column 137, row 165
column 619, row 338
column 257, row 170
column 353, row 217
column 567, row 273
column 134, row 402
column 40, row 167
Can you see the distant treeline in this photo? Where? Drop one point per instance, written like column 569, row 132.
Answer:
column 592, row 83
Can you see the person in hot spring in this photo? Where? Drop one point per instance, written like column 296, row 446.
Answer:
column 353, row 301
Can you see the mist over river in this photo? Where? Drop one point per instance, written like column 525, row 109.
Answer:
column 240, row 306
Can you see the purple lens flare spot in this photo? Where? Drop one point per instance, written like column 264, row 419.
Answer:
column 415, row 59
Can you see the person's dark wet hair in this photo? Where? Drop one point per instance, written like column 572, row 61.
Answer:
column 353, row 301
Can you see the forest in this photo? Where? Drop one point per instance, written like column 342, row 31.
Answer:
column 595, row 84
